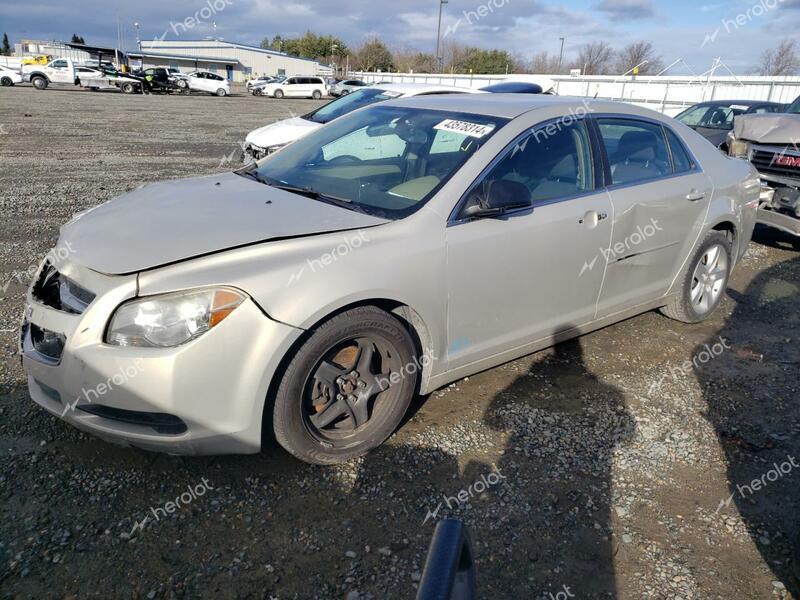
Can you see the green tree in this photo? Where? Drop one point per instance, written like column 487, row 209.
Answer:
column 277, row 44
column 77, row 39
column 374, row 55
column 265, row 44
column 487, row 62
column 6, row 51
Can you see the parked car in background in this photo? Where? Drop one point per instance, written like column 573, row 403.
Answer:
column 203, row 81
column 342, row 88
column 514, row 87
column 713, row 120
column 286, row 297
column 258, row 81
column 270, row 138
column 9, row 77
column 771, row 142
column 296, row 87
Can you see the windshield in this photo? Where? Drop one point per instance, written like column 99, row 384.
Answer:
column 794, row 107
column 349, row 103
column 712, row 116
column 385, row 160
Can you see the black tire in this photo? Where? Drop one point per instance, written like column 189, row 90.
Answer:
column 316, row 94
column 39, row 82
column 318, row 403
column 683, row 308
column 278, row 94
column 6, row 82
column 221, row 92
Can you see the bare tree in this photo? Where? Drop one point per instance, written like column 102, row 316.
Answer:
column 594, row 58
column 634, row 55
column 783, row 60
column 544, row 64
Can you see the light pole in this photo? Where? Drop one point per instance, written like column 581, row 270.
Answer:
column 439, row 36
column 561, row 55
column 333, row 48
column 138, row 39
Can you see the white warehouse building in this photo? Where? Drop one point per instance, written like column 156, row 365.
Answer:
column 236, row 62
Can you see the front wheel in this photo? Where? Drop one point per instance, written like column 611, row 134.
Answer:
column 278, row 94
column 347, row 388
column 704, row 282
column 39, row 82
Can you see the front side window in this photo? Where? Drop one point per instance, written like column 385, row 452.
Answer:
column 59, row 64
column 554, row 161
column 712, row 116
column 380, row 160
column 636, row 150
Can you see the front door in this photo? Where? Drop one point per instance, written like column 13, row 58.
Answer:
column 660, row 199
column 523, row 277
column 61, row 71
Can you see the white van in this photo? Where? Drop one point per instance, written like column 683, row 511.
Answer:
column 297, row 87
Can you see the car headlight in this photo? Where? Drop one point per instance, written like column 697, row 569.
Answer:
column 274, row 148
column 737, row 148
column 169, row 320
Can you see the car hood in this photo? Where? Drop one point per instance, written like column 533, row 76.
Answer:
column 172, row 221
column 281, row 132
column 767, row 129
column 715, row 136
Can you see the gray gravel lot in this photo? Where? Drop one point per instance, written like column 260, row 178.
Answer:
column 612, row 470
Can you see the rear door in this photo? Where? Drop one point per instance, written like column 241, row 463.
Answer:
column 660, row 197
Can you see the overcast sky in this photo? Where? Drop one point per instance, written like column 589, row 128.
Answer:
column 738, row 30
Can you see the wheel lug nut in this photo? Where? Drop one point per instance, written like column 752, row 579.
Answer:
column 339, row 397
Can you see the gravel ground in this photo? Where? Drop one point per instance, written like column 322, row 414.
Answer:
column 604, row 467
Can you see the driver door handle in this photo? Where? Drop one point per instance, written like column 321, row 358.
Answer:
column 695, row 195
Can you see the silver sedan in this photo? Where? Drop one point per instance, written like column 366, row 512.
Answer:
column 391, row 252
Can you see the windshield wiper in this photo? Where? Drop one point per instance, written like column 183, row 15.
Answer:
column 315, row 195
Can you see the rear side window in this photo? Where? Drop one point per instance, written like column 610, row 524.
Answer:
column 681, row 161
column 637, row 150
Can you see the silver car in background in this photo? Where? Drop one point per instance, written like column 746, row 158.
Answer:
column 342, row 88
column 393, row 251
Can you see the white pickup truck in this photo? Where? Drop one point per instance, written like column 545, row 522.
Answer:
column 58, row 71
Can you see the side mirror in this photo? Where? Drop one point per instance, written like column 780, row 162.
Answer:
column 449, row 572
column 497, row 196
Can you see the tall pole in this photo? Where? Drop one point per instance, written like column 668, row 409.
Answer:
column 561, row 56
column 138, row 38
column 439, row 61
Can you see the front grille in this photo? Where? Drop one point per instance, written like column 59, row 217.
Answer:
column 48, row 344
column 159, row 422
column 59, row 292
column 766, row 162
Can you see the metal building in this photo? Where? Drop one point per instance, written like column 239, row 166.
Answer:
column 237, row 62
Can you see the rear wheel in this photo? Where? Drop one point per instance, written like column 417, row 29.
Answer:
column 704, row 282
column 39, row 82
column 6, row 82
column 127, row 88
column 316, row 94
column 221, row 92
column 278, row 93
column 347, row 388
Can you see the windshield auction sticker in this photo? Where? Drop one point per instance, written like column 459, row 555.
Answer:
column 465, row 128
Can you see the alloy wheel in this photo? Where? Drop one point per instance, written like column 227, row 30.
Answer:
column 708, row 280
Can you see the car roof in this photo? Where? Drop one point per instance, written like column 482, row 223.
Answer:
column 511, row 106
column 413, row 89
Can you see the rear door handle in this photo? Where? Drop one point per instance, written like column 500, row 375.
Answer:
column 695, row 195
